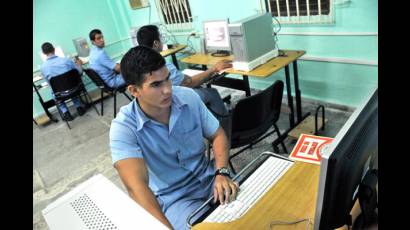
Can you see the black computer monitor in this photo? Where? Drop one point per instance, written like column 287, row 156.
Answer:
column 216, row 37
column 346, row 164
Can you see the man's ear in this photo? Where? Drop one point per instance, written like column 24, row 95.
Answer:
column 134, row 90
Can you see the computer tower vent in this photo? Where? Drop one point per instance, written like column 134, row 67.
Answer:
column 91, row 215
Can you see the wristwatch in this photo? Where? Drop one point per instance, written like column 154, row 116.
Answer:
column 224, row 171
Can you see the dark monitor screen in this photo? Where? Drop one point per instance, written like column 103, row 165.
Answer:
column 345, row 163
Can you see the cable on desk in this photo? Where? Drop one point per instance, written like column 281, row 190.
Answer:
column 278, row 222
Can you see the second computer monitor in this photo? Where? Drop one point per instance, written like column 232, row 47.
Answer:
column 216, row 37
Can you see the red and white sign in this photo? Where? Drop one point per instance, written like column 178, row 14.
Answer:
column 308, row 148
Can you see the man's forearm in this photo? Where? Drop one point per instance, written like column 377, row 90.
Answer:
column 145, row 198
column 198, row 79
column 220, row 147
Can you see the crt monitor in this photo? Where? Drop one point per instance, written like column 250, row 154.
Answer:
column 346, row 165
column 82, row 47
column 216, row 37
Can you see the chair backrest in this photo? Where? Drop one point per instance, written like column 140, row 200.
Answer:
column 254, row 115
column 66, row 83
column 95, row 77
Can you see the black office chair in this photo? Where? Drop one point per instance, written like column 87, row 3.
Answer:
column 66, row 86
column 252, row 117
column 95, row 77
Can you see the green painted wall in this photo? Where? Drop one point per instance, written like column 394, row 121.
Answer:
column 61, row 21
column 332, row 82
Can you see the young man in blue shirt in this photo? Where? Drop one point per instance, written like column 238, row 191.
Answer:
column 100, row 62
column 54, row 66
column 149, row 36
column 157, row 143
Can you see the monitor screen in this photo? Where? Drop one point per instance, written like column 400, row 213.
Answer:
column 345, row 163
column 216, row 35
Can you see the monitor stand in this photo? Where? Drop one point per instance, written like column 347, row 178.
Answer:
column 220, row 53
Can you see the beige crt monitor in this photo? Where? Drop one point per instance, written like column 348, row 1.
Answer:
column 98, row 204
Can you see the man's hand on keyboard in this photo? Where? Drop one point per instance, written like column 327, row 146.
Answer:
column 221, row 65
column 225, row 189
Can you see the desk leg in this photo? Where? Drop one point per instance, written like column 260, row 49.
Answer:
column 247, row 87
column 175, row 61
column 297, row 92
column 290, row 98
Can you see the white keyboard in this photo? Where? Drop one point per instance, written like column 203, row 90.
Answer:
column 254, row 187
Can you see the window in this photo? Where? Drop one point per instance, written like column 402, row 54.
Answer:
column 175, row 14
column 300, row 11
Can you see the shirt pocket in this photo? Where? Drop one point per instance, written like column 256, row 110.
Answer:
column 191, row 153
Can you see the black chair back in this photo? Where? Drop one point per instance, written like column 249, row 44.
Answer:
column 95, row 77
column 67, row 84
column 254, row 115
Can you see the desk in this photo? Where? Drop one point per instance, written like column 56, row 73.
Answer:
column 44, row 104
column 293, row 197
column 172, row 52
column 262, row 71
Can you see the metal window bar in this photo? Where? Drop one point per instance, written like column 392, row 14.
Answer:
column 287, row 9
column 171, row 5
column 180, row 4
column 300, row 11
column 319, row 7
column 175, row 13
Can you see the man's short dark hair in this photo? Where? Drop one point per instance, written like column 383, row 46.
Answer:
column 47, row 48
column 147, row 34
column 139, row 61
column 93, row 33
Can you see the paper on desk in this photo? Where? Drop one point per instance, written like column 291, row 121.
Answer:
column 309, row 147
column 37, row 78
column 191, row 72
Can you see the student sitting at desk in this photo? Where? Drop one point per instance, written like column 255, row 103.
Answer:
column 54, row 66
column 101, row 63
column 157, row 143
column 149, row 36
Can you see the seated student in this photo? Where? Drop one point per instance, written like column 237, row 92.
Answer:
column 149, row 36
column 54, row 66
column 157, row 143
column 101, row 63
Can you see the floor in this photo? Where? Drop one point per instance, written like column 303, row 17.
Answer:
column 64, row 158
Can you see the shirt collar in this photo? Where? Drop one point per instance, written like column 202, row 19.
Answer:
column 51, row 57
column 142, row 118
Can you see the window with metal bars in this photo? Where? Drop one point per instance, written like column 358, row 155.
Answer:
column 176, row 13
column 300, row 11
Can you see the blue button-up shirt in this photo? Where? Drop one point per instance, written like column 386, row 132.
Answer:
column 175, row 75
column 55, row 65
column 104, row 66
column 174, row 153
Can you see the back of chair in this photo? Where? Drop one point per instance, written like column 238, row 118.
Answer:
column 95, row 77
column 66, row 83
column 254, row 115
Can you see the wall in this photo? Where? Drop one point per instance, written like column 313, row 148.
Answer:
column 341, row 61
column 60, row 21
column 323, row 74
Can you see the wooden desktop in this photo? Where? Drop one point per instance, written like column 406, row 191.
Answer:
column 292, row 198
